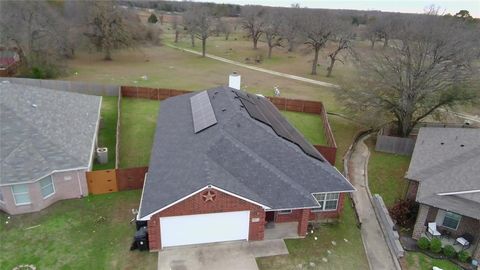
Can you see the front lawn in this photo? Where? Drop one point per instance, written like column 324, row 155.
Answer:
column 340, row 244
column 420, row 261
column 138, row 119
column 89, row 233
column 107, row 132
column 310, row 125
column 386, row 174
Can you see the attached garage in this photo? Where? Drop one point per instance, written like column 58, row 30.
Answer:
column 204, row 228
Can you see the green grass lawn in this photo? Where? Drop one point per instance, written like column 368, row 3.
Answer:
column 89, row 233
column 310, row 125
column 107, row 133
column 344, row 131
column 343, row 255
column 138, row 119
column 386, row 174
column 420, row 261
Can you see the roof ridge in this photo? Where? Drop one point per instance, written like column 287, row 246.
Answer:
column 38, row 131
column 452, row 162
column 285, row 178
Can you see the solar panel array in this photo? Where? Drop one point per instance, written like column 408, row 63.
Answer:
column 202, row 112
column 264, row 111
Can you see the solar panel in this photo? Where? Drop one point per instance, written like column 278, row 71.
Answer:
column 264, row 111
column 202, row 112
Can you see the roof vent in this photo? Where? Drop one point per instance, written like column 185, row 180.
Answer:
column 442, row 143
column 234, row 81
column 462, row 145
column 34, row 105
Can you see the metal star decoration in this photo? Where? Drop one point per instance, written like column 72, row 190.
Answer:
column 209, row 196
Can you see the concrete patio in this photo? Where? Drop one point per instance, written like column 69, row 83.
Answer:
column 446, row 240
column 287, row 230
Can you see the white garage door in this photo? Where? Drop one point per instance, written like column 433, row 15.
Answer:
column 206, row 228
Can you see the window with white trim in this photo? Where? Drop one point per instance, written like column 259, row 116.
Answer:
column 284, row 212
column 451, row 220
column 327, row 201
column 20, row 194
column 46, row 187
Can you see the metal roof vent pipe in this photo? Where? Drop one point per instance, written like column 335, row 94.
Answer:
column 234, row 81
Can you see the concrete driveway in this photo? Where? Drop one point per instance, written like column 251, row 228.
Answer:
column 219, row 256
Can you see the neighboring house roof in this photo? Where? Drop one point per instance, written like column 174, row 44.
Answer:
column 238, row 154
column 447, row 160
column 44, row 130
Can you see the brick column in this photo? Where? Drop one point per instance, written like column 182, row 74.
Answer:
column 153, row 227
column 303, row 222
column 420, row 223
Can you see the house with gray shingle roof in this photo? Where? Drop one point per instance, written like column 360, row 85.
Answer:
column 444, row 176
column 47, row 142
column 226, row 165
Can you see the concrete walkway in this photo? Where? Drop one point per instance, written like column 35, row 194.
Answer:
column 268, row 71
column 378, row 254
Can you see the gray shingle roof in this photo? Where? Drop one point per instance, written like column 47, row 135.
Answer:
column 43, row 130
column 239, row 154
column 442, row 165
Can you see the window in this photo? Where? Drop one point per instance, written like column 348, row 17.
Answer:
column 327, row 201
column 20, row 194
column 284, row 212
column 46, row 185
column 451, row 220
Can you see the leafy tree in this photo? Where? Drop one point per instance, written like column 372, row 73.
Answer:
column 464, row 15
column 153, row 18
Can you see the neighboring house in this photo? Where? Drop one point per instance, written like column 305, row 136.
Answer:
column 445, row 180
column 224, row 164
column 47, row 141
column 9, row 60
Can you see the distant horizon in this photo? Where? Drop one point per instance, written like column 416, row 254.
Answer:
column 404, row 6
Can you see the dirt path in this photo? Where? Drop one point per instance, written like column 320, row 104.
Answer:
column 378, row 254
column 284, row 75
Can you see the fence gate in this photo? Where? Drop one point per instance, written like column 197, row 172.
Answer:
column 100, row 182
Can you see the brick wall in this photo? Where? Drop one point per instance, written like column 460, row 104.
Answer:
column 303, row 222
column 419, row 227
column 196, row 205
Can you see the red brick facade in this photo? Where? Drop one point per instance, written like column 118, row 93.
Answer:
column 223, row 202
column 195, row 205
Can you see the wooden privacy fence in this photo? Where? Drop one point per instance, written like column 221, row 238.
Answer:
column 329, row 151
column 107, row 181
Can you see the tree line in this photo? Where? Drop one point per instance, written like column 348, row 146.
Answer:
column 48, row 32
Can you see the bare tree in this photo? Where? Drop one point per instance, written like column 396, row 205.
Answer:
column 38, row 31
column 223, row 26
column 189, row 19
column 427, row 67
column 373, row 31
column 204, row 25
column 343, row 40
column 290, row 25
column 175, row 28
column 253, row 22
column 271, row 28
column 107, row 28
column 317, row 30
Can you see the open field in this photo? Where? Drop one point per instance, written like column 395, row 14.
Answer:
column 106, row 134
column 386, row 174
column 137, row 128
column 420, row 261
column 343, row 254
column 170, row 68
column 89, row 233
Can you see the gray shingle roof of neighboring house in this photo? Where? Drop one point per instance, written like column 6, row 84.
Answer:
column 447, row 160
column 239, row 154
column 44, row 130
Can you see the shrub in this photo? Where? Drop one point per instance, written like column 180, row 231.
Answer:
column 152, row 18
column 423, row 243
column 463, row 256
column 436, row 245
column 449, row 251
column 404, row 212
